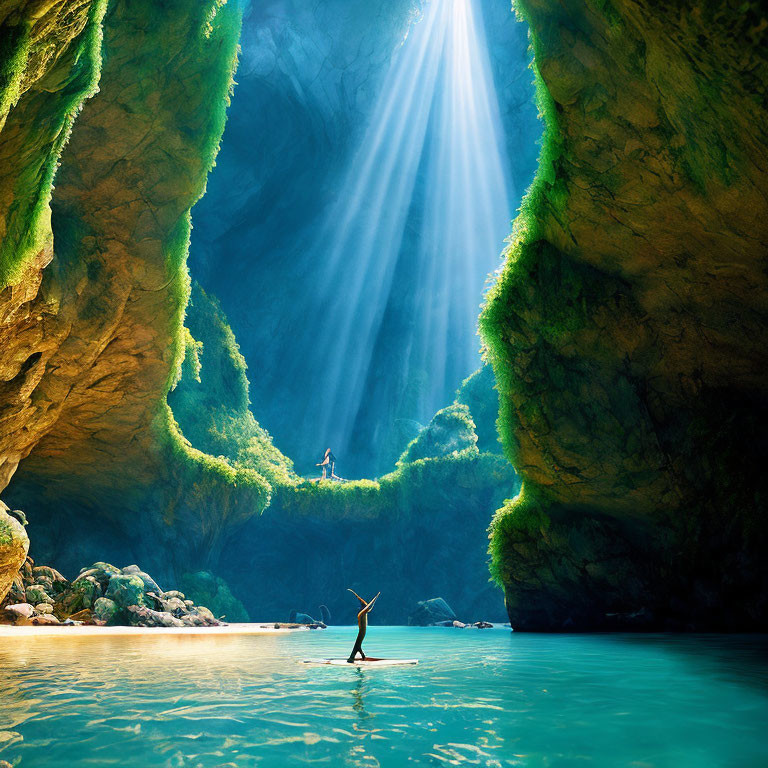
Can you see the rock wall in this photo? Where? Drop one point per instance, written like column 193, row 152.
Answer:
column 49, row 63
column 628, row 332
column 416, row 533
column 96, row 330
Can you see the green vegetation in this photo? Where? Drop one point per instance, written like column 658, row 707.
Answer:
column 522, row 257
column 526, row 251
column 14, row 52
column 6, row 533
column 219, row 47
column 203, row 479
column 413, row 488
column 520, row 518
column 74, row 78
column 450, row 432
column 478, row 392
column 442, row 467
column 211, row 399
column 207, row 471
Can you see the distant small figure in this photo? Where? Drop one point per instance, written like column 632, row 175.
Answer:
column 329, row 465
column 362, row 626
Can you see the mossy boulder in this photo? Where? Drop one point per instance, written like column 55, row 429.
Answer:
column 150, row 585
column 125, row 590
column 106, row 612
column 82, row 594
column 101, row 572
column 14, row 545
column 450, row 431
column 37, row 594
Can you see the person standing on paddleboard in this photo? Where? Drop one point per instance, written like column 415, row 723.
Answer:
column 362, row 626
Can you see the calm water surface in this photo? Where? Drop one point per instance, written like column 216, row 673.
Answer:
column 488, row 698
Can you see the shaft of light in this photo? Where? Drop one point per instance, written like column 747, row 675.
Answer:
column 438, row 96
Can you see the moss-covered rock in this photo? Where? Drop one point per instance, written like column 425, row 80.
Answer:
column 210, row 401
column 478, row 393
column 628, row 331
column 125, row 590
column 81, row 595
column 204, row 588
column 14, row 545
column 106, row 612
column 450, row 431
column 97, row 335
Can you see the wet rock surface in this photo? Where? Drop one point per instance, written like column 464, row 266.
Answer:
column 431, row 611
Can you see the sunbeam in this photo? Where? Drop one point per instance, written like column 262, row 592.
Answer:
column 437, row 115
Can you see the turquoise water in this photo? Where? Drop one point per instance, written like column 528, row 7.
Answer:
column 479, row 698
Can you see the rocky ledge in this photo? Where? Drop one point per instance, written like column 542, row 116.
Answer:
column 101, row 595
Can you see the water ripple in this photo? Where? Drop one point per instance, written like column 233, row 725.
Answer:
column 491, row 699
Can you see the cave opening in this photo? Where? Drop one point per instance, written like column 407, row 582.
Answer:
column 374, row 156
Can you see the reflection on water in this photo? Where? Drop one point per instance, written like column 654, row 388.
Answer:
column 478, row 698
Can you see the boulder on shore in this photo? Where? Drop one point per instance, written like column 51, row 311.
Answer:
column 14, row 545
column 432, row 612
column 102, row 594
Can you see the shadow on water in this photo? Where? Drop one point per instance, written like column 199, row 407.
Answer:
column 741, row 659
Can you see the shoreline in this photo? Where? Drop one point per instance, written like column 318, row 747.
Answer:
column 88, row 630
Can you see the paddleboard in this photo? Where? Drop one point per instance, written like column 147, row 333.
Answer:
column 369, row 662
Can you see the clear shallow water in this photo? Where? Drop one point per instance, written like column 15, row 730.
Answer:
column 489, row 698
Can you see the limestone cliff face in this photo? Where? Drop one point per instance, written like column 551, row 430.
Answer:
column 629, row 330
column 49, row 63
column 92, row 337
column 211, row 401
column 415, row 533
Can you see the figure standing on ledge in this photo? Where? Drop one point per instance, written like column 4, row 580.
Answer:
column 328, row 464
column 362, row 626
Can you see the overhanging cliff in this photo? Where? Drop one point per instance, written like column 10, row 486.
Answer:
column 628, row 331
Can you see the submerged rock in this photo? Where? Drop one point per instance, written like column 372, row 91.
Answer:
column 432, row 612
